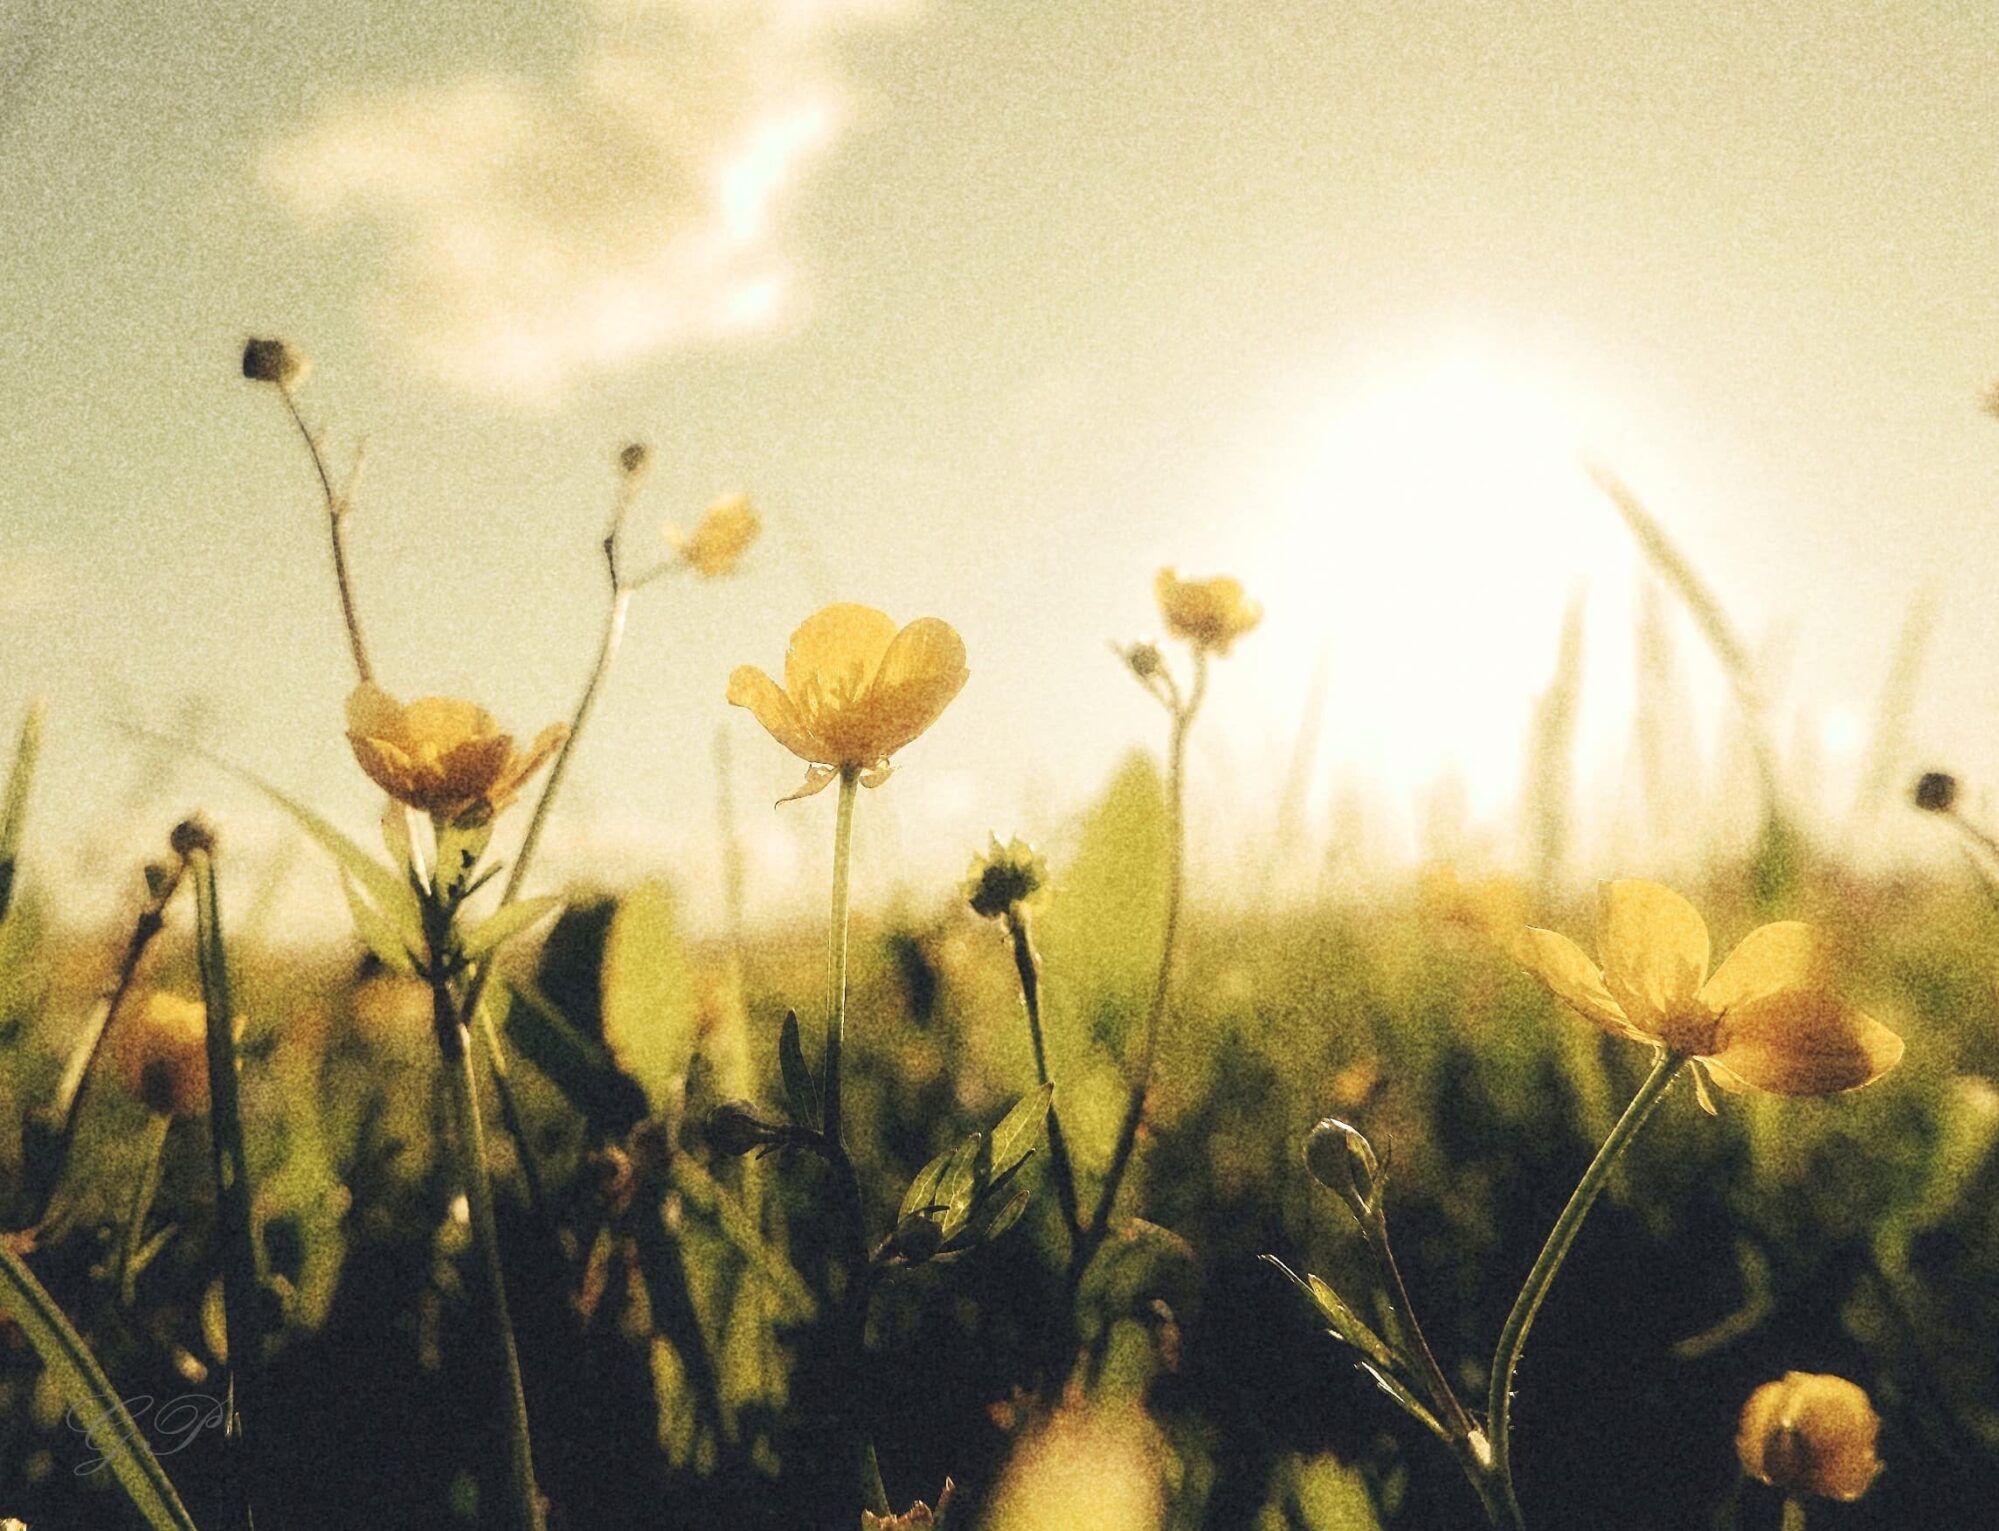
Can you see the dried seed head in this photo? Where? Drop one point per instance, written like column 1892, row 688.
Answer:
column 1004, row 877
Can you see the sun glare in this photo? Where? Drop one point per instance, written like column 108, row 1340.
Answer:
column 1431, row 525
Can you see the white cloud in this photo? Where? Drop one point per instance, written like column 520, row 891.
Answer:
column 534, row 230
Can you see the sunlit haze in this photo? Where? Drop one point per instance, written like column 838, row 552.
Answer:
column 994, row 311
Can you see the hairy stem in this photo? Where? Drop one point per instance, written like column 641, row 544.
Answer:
column 1513, row 1338
column 336, row 514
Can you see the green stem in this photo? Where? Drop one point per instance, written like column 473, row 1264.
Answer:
column 143, row 1192
column 1028, row 966
column 836, row 991
column 336, row 513
column 1176, row 851
column 242, row 1271
column 469, row 1140
column 1513, row 1338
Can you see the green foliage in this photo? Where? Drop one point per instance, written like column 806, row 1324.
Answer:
column 648, row 994
column 14, row 819
column 1100, row 933
column 801, row 1089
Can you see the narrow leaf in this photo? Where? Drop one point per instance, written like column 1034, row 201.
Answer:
column 799, row 1087
column 505, row 923
column 1022, row 1130
column 922, row 1190
column 18, row 782
column 88, row 1392
column 581, row 1068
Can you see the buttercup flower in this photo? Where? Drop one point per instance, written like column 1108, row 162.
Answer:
column 1208, row 613
column 1494, row 906
column 1810, row 1434
column 443, row 756
column 160, row 1048
column 719, row 540
column 855, row 690
column 1764, row 1019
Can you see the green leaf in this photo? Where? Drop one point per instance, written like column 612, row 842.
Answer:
column 584, row 1071
column 19, row 780
column 1101, row 932
column 922, row 1190
column 459, row 848
column 960, row 1182
column 648, row 993
column 377, row 931
column 506, row 922
column 799, row 1087
column 84, row 1388
column 1022, row 1130
column 987, row 1226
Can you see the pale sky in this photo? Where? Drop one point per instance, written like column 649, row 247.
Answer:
column 993, row 309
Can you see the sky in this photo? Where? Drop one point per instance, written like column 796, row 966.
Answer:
column 993, row 309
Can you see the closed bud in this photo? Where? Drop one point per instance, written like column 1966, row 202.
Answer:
column 191, row 835
column 916, row 1238
column 736, row 1128
column 1810, row 1434
column 1936, row 792
column 272, row 361
column 634, row 459
column 1343, row 1161
column 1144, row 659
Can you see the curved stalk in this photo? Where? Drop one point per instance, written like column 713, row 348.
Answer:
column 1028, row 966
column 336, row 512
column 1176, row 768
column 1513, row 1338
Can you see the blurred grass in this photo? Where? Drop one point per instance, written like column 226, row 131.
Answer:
column 664, row 1344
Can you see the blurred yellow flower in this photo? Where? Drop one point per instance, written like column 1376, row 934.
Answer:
column 719, row 540
column 855, row 690
column 1810, row 1434
column 160, row 1048
column 1494, row 906
column 445, row 757
column 1764, row 1019
column 1208, row 613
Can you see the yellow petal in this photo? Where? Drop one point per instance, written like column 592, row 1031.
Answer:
column 1655, row 952
column 1804, row 1042
column 469, row 770
column 1771, row 958
column 372, row 711
column 750, row 687
column 442, row 723
column 387, row 766
column 923, row 669
column 833, row 656
column 1562, row 965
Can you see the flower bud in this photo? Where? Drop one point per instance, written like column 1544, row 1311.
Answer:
column 1343, row 1161
column 191, row 835
column 634, row 459
column 916, row 1238
column 1003, row 877
column 736, row 1128
column 272, row 361
column 1810, row 1434
column 1936, row 792
column 1144, row 659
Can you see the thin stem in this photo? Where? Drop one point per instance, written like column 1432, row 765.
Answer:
column 1027, row 964
column 1176, row 850
column 836, row 990
column 242, row 1271
column 1513, row 1338
column 469, row 1140
column 143, row 1192
column 152, row 919
column 336, row 513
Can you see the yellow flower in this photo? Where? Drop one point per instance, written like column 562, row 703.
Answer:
column 719, row 540
column 1764, row 1019
column 1494, row 906
column 443, row 756
column 855, row 690
column 160, row 1048
column 1208, row 613
column 1810, row 1434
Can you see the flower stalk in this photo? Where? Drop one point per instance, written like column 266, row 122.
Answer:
column 1028, row 965
column 836, row 963
column 1513, row 1337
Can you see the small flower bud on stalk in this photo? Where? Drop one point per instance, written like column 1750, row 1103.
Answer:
column 1936, row 792
column 1810, row 1434
column 1343, row 1161
column 191, row 835
column 916, row 1239
column 736, row 1128
column 634, row 459
column 272, row 361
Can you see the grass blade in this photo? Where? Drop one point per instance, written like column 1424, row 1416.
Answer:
column 19, row 780
column 82, row 1383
